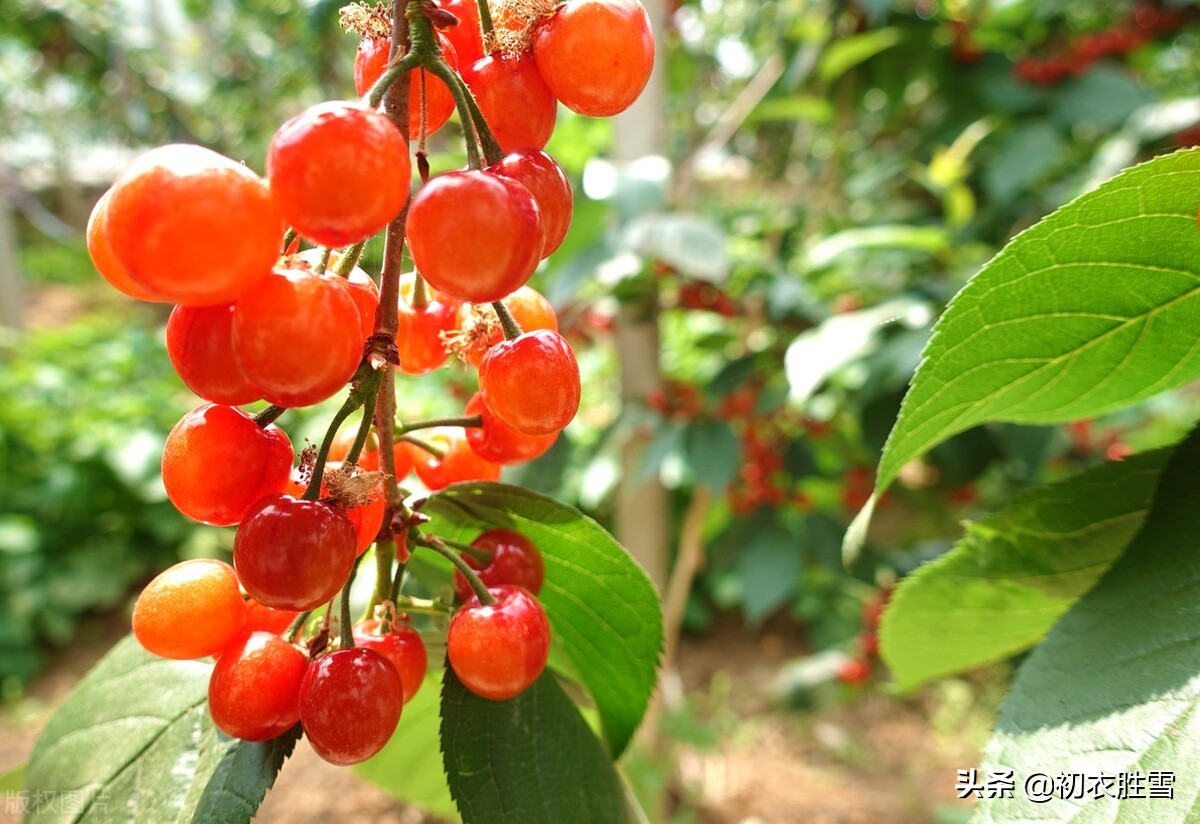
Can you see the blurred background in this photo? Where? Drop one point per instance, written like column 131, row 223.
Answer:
column 759, row 250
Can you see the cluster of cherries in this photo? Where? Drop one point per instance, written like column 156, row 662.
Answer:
column 259, row 319
column 857, row 670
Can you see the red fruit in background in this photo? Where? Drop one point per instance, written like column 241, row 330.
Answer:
column 473, row 236
column 368, row 459
column 405, row 456
column 531, row 382
column 103, row 259
column 596, row 55
column 419, row 332
column 498, row 442
column 268, row 619
column 191, row 226
column 339, row 172
column 350, row 702
column 200, row 346
column 514, row 560
column 498, row 651
column 458, row 463
column 293, row 554
column 467, row 36
column 217, row 462
column 540, row 174
column 854, row 671
column 529, row 309
column 402, row 646
column 372, row 59
column 514, row 99
column 191, row 610
column 254, row 690
column 296, row 336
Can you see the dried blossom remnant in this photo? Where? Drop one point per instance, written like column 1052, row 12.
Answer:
column 366, row 21
column 515, row 21
column 478, row 328
column 349, row 485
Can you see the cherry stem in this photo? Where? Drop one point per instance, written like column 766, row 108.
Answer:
column 435, row 451
column 402, row 67
column 428, row 606
column 269, row 415
column 477, row 586
column 420, row 294
column 297, row 624
column 474, row 551
column 347, row 621
column 512, row 329
column 463, row 102
column 364, row 389
column 492, row 152
column 485, row 23
column 323, row 263
column 348, row 259
column 398, row 578
column 466, row 421
column 364, row 429
column 288, row 236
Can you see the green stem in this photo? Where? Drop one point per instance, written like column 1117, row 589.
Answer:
column 474, row 551
column 424, row 605
column 403, row 66
column 297, row 624
column 492, row 152
column 420, row 294
column 439, row 546
column 485, row 23
column 469, row 421
column 397, row 580
column 323, row 262
column 366, row 386
column 269, row 415
column 364, row 429
column 512, row 329
column 464, row 103
column 348, row 260
column 288, row 236
column 347, row 621
column 435, row 451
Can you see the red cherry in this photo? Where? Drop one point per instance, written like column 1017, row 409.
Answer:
column 514, row 99
column 103, row 259
column 405, row 456
column 402, row 646
column 253, row 692
column 217, row 462
column 514, row 560
column 467, row 36
column 512, row 369
column 419, row 330
column 498, row 442
column 268, row 619
column 596, row 55
column 540, row 174
column 293, row 554
column 200, row 346
column 529, row 309
column 366, row 518
column 475, row 237
column 498, row 651
column 369, row 65
column 458, row 463
column 296, row 336
column 350, row 702
column 368, row 459
column 854, row 671
column 191, row 610
column 339, row 172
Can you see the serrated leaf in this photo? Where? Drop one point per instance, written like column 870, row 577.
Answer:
column 134, row 742
column 602, row 607
column 530, row 759
column 1078, row 315
column 1016, row 572
column 1115, row 688
column 404, row 768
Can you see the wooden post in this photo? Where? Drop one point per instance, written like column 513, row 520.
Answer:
column 12, row 292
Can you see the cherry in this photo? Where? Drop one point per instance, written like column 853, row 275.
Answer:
column 419, row 331
column 339, row 172
column 527, row 306
column 370, row 63
column 296, row 336
column 854, row 671
column 512, row 368
column 191, row 610
column 514, row 99
column 405, row 456
column 350, row 702
column 366, row 518
column 513, row 560
column 498, row 651
column 596, row 55
column 103, row 259
column 254, row 691
column 293, row 554
column 200, row 346
column 402, row 646
column 458, row 463
column 540, row 174
column 498, row 442
column 368, row 459
column 268, row 619
column 217, row 462
column 467, row 36
column 191, row 226
column 362, row 290
column 476, row 237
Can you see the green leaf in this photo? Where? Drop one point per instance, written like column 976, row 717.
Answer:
column 792, row 108
column 1076, row 316
column 602, row 607
column 847, row 52
column 931, row 239
column 13, row 780
column 529, row 759
column 404, row 768
column 1014, row 574
column 694, row 245
column 134, row 742
column 713, row 453
column 769, row 569
column 1114, row 688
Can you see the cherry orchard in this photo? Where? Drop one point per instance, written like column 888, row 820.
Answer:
column 271, row 306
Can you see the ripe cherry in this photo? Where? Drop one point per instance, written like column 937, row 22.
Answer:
column 296, row 337
column 540, row 174
column 498, row 442
column 366, row 517
column 268, row 619
column 217, row 462
column 254, row 691
column 191, row 226
column 498, row 651
column 103, row 259
column 339, row 172
column 402, row 646
column 458, row 462
column 405, row 456
column 512, row 368
column 293, row 554
column 369, row 65
column 476, row 237
column 854, row 671
column 467, row 36
column 419, row 330
column 191, row 610
column 200, row 346
column 514, row 99
column 513, row 560
column 529, row 309
column 596, row 55
column 350, row 702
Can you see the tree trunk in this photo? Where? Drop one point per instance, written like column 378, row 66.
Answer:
column 12, row 292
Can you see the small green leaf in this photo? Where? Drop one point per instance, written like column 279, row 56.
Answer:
column 769, row 569
column 847, row 52
column 134, row 742
column 529, row 759
column 712, row 451
column 602, row 607
column 931, row 239
column 791, row 108
column 1015, row 573
column 692, row 244
column 1114, row 688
